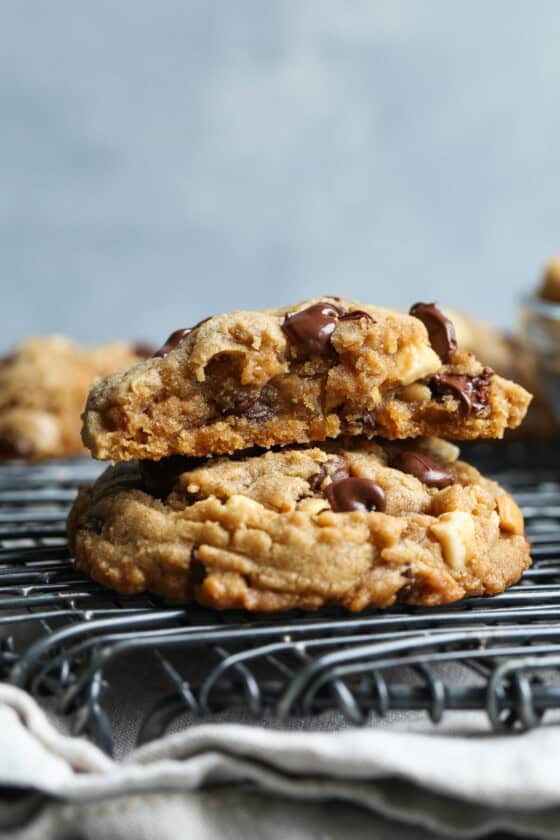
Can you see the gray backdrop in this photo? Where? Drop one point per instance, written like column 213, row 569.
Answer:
column 160, row 161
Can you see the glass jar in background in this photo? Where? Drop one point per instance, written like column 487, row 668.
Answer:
column 540, row 333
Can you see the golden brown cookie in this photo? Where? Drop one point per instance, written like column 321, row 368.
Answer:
column 43, row 390
column 509, row 356
column 307, row 372
column 358, row 524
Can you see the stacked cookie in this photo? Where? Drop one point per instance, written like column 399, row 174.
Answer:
column 294, row 458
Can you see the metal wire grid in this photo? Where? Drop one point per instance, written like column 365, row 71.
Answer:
column 64, row 638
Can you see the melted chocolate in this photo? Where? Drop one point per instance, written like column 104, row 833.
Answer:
column 440, row 329
column 172, row 342
column 252, row 408
column 471, row 391
column 419, row 465
column 176, row 337
column 356, row 315
column 311, row 329
column 355, row 494
column 336, row 468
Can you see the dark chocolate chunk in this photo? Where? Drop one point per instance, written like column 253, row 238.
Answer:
column 197, row 569
column 258, row 412
column 197, row 574
column 356, row 315
column 440, row 329
column 252, row 409
column 419, row 465
column 355, row 494
column 176, row 337
column 337, row 468
column 159, row 477
column 368, row 423
column 471, row 391
column 200, row 323
column 172, row 341
column 316, row 480
column 311, row 329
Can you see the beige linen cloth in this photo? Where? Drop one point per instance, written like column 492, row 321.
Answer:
column 225, row 780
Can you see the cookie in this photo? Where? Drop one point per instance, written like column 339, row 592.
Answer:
column 359, row 523
column 308, row 372
column 43, row 389
column 510, row 357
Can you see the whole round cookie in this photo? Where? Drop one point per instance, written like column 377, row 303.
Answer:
column 357, row 524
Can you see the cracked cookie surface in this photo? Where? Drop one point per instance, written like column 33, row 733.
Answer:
column 43, row 389
column 309, row 372
column 358, row 524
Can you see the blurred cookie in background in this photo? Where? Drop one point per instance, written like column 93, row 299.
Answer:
column 550, row 284
column 43, row 388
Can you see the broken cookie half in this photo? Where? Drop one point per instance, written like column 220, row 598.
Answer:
column 308, row 372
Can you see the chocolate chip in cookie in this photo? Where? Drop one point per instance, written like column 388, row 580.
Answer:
column 311, row 328
column 172, row 342
column 440, row 329
column 355, row 494
column 426, row 470
column 471, row 391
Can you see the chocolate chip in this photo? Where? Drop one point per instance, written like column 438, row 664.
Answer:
column 251, row 408
column 316, row 480
column 197, row 569
column 197, row 573
column 419, row 465
column 440, row 329
column 143, row 350
column 471, row 391
column 159, row 477
column 172, row 342
column 311, row 329
column 200, row 323
column 336, row 468
column 258, row 412
column 176, row 337
column 356, row 315
column 368, row 423
column 355, row 494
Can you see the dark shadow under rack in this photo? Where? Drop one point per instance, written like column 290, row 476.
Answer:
column 63, row 638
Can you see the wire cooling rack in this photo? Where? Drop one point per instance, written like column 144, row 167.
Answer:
column 65, row 639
